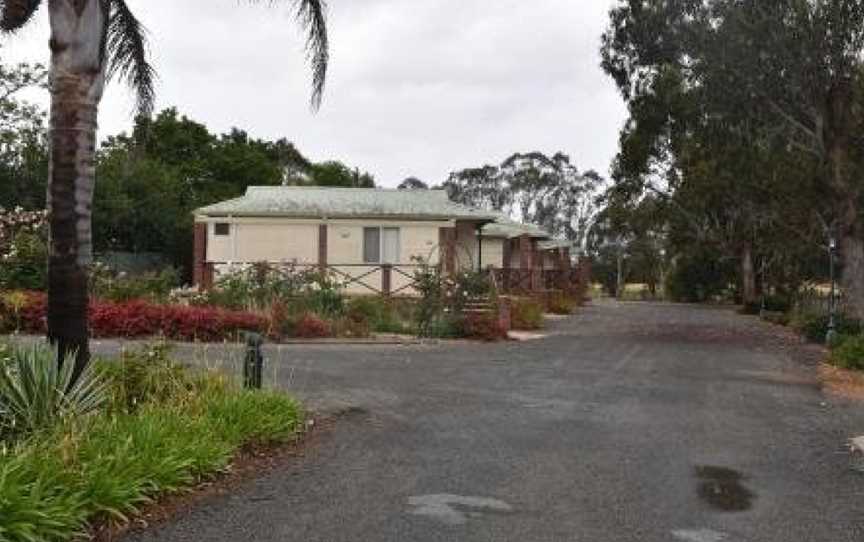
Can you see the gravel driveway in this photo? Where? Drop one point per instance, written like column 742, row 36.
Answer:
column 631, row 422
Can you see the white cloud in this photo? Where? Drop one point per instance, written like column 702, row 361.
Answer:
column 419, row 87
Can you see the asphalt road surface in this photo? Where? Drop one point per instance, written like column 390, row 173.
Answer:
column 631, row 422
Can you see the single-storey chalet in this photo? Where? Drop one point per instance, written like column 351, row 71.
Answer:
column 371, row 239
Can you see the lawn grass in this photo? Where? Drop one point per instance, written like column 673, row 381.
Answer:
column 107, row 466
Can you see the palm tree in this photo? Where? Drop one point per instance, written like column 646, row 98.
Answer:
column 91, row 42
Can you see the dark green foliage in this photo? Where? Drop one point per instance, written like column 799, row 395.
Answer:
column 772, row 303
column 174, row 164
column 25, row 266
column 23, row 144
column 119, row 287
column 700, row 276
column 776, row 317
column 815, row 327
column 334, row 173
column 848, row 352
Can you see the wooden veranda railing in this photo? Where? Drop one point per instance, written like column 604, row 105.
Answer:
column 399, row 279
column 365, row 278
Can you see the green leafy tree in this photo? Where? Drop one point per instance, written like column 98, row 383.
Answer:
column 335, row 173
column 91, row 41
column 23, row 138
column 413, row 183
column 710, row 86
column 534, row 188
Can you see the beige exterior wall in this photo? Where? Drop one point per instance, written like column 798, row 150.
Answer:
column 345, row 246
column 252, row 240
column 420, row 239
column 275, row 240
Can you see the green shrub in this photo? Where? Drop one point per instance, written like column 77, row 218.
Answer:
column 815, row 327
column 382, row 315
column 848, row 352
column 345, row 326
column 144, row 376
column 446, row 327
column 777, row 318
column 25, row 266
column 561, row 303
column 526, row 314
column 109, row 285
column 366, row 308
column 35, row 394
column 700, row 275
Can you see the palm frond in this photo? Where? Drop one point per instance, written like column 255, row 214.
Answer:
column 312, row 16
column 128, row 53
column 14, row 14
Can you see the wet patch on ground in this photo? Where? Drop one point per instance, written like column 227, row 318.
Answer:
column 723, row 489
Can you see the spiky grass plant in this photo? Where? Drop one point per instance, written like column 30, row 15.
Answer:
column 36, row 393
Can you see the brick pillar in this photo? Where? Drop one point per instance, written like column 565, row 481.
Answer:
column 564, row 266
column 526, row 253
column 200, row 269
column 386, row 279
column 322, row 247
column 505, row 265
column 447, row 249
column 528, row 260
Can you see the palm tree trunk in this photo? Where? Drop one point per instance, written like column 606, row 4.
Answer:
column 77, row 81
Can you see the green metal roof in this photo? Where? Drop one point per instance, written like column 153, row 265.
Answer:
column 508, row 228
column 327, row 202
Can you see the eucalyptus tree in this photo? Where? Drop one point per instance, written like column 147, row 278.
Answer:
column 91, row 42
column 793, row 66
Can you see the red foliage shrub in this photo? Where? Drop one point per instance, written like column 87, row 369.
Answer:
column 311, row 327
column 141, row 319
column 484, row 327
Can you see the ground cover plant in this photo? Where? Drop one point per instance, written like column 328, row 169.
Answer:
column 848, row 352
column 160, row 429
column 526, row 314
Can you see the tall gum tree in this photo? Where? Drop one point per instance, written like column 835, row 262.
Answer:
column 92, row 41
column 796, row 62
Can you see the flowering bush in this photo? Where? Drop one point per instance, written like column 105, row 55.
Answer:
column 23, row 249
column 110, row 285
column 258, row 285
column 448, row 296
column 135, row 319
column 16, row 221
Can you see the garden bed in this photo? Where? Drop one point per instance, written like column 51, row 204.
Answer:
column 159, row 430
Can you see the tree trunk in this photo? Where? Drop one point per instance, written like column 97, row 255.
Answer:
column 851, row 245
column 77, row 81
column 850, row 229
column 748, row 276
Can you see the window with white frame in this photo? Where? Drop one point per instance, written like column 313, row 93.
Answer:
column 381, row 245
column 221, row 229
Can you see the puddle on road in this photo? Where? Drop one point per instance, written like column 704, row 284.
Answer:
column 722, row 489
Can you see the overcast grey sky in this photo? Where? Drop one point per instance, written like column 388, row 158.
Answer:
column 416, row 87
